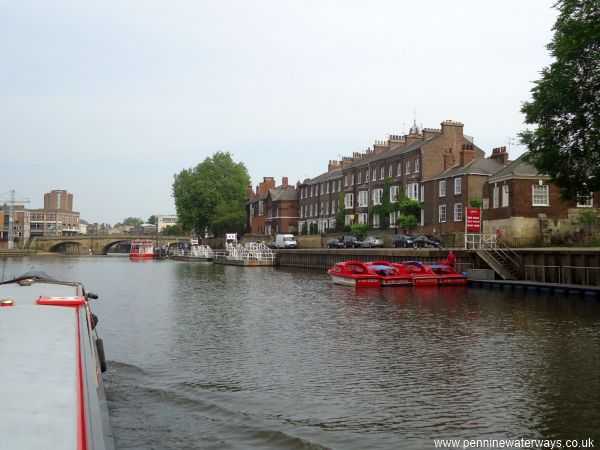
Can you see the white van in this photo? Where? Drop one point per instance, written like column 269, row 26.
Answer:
column 285, row 241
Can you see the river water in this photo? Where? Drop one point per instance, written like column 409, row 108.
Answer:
column 215, row 357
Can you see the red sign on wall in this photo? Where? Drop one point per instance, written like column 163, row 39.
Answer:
column 473, row 219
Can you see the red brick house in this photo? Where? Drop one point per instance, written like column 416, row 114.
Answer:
column 272, row 209
column 524, row 207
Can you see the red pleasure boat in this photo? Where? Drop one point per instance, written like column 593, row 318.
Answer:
column 421, row 274
column 448, row 276
column 354, row 273
column 390, row 275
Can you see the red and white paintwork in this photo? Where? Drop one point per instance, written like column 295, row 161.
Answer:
column 51, row 389
column 141, row 249
column 354, row 273
column 447, row 276
column 384, row 273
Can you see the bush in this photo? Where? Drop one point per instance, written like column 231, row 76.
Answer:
column 359, row 230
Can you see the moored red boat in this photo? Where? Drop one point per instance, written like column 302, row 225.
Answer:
column 51, row 357
column 448, row 276
column 421, row 274
column 354, row 273
column 390, row 275
column 141, row 249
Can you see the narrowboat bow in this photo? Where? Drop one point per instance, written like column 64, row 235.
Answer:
column 51, row 358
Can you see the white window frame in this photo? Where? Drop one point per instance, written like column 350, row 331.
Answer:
column 458, row 212
column 363, row 218
column 407, row 167
column 363, row 198
column 442, row 188
column 496, row 196
column 417, row 165
column 457, row 186
column 376, row 220
column 411, row 190
column 505, row 193
column 377, row 196
column 543, row 193
column 394, row 193
column 359, row 176
column 442, row 213
column 349, row 200
column 390, row 171
column 382, row 172
column 399, row 170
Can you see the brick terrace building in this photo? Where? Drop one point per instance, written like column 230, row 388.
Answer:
column 21, row 225
column 406, row 160
column 272, row 209
column 448, row 194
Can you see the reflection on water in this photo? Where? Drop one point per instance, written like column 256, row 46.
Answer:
column 205, row 356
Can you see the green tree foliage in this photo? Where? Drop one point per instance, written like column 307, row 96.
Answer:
column 214, row 187
column 228, row 217
column 407, row 222
column 386, row 207
column 172, row 230
column 476, row 202
column 133, row 221
column 410, row 207
column 359, row 230
column 565, row 103
column 340, row 217
column 152, row 219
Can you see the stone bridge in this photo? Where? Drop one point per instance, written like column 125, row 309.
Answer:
column 98, row 244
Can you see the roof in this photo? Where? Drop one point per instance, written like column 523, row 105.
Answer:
column 517, row 169
column 479, row 166
column 279, row 194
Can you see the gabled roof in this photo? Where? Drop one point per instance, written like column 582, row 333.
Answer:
column 336, row 173
column 279, row 194
column 517, row 169
column 479, row 166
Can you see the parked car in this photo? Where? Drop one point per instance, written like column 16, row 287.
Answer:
column 403, row 240
column 335, row 243
column 373, row 241
column 426, row 241
column 351, row 242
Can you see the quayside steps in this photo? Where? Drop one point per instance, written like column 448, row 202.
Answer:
column 502, row 259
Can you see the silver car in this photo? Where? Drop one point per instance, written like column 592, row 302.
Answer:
column 373, row 241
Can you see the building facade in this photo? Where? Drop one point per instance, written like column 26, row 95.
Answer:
column 57, row 218
column 272, row 209
column 164, row 221
column 404, row 161
column 524, row 207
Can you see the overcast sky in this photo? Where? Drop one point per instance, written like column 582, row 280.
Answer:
column 110, row 99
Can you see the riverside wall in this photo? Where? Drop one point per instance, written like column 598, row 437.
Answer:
column 551, row 265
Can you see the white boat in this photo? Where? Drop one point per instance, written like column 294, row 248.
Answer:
column 51, row 359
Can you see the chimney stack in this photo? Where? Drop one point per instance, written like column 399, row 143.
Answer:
column 284, row 182
column 448, row 159
column 467, row 154
column 333, row 165
column 500, row 154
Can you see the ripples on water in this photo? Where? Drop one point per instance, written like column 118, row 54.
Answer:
column 212, row 357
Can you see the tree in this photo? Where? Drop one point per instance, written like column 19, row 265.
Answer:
column 152, row 219
column 133, row 221
column 565, row 103
column 172, row 230
column 215, row 186
column 229, row 218
column 407, row 222
column 386, row 207
column 476, row 202
column 340, row 217
column 359, row 230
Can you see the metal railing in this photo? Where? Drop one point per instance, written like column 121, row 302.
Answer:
column 579, row 275
column 252, row 251
column 545, row 274
column 585, row 275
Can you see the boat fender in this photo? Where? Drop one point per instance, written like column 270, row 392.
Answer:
column 101, row 357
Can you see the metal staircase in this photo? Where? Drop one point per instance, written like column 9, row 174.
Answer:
column 500, row 257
